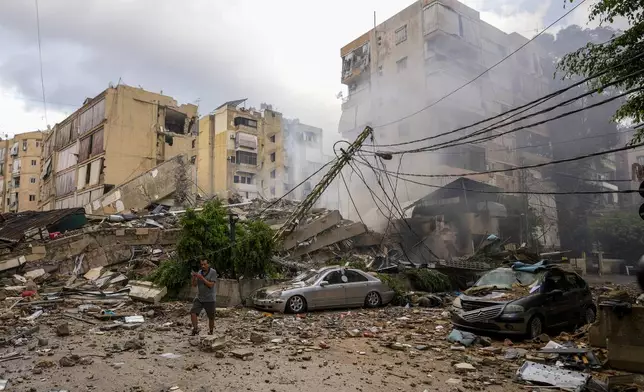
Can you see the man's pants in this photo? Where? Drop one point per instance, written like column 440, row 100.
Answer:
column 198, row 306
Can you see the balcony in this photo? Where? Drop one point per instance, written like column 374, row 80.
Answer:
column 15, row 173
column 356, row 64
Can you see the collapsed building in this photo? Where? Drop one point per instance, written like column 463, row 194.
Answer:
column 399, row 74
column 117, row 135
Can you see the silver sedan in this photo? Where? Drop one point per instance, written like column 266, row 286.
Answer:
column 329, row 287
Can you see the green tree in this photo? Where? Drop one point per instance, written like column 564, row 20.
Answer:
column 598, row 56
column 205, row 234
column 621, row 234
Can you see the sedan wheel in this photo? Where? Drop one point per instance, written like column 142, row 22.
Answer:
column 373, row 299
column 589, row 316
column 296, row 304
column 535, row 327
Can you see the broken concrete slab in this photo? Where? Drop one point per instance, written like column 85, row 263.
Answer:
column 12, row 263
column 331, row 236
column 93, row 273
column 34, row 274
column 305, row 232
column 146, row 291
column 155, row 184
column 242, row 353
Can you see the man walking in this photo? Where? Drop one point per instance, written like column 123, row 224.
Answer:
column 205, row 281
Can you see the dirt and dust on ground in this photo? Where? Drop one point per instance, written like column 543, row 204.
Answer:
column 115, row 344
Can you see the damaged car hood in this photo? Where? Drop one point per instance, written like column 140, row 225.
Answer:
column 280, row 287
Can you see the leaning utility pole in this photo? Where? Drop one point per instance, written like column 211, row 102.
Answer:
column 293, row 220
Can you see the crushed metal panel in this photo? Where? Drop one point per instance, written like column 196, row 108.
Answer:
column 16, row 225
column 550, row 375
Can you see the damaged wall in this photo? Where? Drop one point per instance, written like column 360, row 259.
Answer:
column 141, row 191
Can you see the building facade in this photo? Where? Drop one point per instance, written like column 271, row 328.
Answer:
column 20, row 162
column 115, row 136
column 240, row 152
column 399, row 74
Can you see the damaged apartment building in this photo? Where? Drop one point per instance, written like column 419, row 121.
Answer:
column 113, row 138
column 255, row 153
column 20, row 171
column 396, row 73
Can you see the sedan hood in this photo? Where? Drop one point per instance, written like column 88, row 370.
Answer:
column 264, row 291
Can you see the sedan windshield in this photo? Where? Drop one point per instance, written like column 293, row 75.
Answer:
column 506, row 277
column 304, row 276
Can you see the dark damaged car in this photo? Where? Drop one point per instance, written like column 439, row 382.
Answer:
column 524, row 300
column 327, row 288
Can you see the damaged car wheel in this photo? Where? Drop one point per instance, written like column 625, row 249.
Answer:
column 372, row 300
column 589, row 316
column 535, row 327
column 296, row 304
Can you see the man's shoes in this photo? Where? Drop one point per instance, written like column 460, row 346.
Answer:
column 195, row 332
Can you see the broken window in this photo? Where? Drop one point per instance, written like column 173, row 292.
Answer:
column 92, row 117
column 16, row 182
column 91, row 146
column 272, row 173
column 272, row 157
column 401, row 35
column 245, row 121
column 246, row 158
column 401, row 64
column 175, row 121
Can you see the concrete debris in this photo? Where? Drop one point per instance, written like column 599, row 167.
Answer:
column 147, row 291
column 62, row 329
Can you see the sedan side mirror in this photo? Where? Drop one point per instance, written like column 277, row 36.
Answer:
column 324, row 283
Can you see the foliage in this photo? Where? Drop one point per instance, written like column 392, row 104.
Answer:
column 428, row 280
column 395, row 283
column 621, row 234
column 595, row 57
column 172, row 274
column 205, row 234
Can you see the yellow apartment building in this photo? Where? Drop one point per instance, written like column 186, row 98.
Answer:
column 20, row 171
column 115, row 136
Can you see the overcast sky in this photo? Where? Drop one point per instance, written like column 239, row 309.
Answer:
column 283, row 52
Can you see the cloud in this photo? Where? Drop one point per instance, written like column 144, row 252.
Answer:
column 285, row 53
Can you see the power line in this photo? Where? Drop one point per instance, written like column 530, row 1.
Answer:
column 351, row 197
column 486, row 71
column 451, row 143
column 296, row 186
column 42, row 79
column 625, row 148
column 520, row 192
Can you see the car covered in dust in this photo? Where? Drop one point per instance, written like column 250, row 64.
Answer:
column 524, row 300
column 326, row 288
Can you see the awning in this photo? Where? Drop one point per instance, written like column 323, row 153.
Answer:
column 246, row 140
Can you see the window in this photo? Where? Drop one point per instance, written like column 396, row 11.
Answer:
column 88, row 173
column 33, row 162
column 401, row 35
column 640, row 160
column 272, row 173
column 32, row 197
column 232, row 159
column 460, row 25
column 245, row 121
column 354, row 276
column 194, row 142
column 32, row 180
column 334, row 277
column 37, row 144
column 272, row 191
column 272, row 138
column 243, row 179
column 555, row 281
column 401, row 64
column 236, row 179
column 24, row 145
column 272, row 157
column 246, row 158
